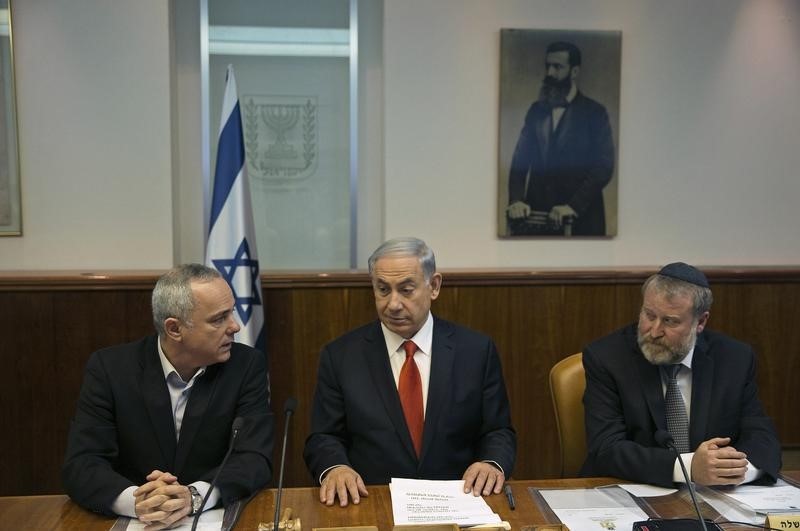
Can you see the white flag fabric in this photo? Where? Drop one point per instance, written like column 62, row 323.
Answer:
column 231, row 246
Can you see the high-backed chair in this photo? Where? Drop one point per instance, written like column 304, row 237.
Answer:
column 567, row 383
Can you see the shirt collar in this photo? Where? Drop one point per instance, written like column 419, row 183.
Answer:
column 687, row 360
column 168, row 368
column 423, row 338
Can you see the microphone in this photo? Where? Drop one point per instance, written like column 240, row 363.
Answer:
column 665, row 440
column 236, row 427
column 288, row 410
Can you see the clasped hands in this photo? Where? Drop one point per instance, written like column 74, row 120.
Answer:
column 716, row 463
column 162, row 501
column 345, row 483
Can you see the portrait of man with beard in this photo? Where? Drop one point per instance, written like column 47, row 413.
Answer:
column 564, row 155
column 669, row 373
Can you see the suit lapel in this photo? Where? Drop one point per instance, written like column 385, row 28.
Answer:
column 199, row 398
column 443, row 355
column 157, row 402
column 702, row 381
column 376, row 358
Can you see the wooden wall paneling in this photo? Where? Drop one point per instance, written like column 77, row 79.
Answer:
column 138, row 314
column 537, row 342
column 777, row 343
column 523, row 322
column 628, row 304
column 588, row 313
column 756, row 313
column 85, row 321
column 28, row 385
column 286, row 363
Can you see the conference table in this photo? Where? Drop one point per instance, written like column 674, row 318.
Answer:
column 59, row 513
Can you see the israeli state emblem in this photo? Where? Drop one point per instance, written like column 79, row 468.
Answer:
column 280, row 136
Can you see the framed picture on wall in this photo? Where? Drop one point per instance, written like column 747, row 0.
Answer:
column 558, row 133
column 10, row 209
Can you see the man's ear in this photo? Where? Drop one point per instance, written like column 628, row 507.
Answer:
column 702, row 321
column 574, row 71
column 436, row 285
column 173, row 328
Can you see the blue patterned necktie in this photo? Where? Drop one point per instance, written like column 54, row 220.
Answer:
column 677, row 420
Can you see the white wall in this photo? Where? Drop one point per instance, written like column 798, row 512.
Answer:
column 709, row 133
column 709, row 165
column 94, row 126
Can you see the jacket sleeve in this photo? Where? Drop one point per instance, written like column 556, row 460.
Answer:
column 611, row 449
column 249, row 467
column 325, row 446
column 88, row 472
column 498, row 440
column 757, row 436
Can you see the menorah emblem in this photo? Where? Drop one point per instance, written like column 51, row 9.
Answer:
column 281, row 119
column 280, row 136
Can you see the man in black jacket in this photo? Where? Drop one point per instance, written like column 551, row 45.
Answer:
column 670, row 374
column 154, row 417
column 409, row 395
column 565, row 153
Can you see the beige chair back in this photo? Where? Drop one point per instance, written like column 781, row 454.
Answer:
column 567, row 383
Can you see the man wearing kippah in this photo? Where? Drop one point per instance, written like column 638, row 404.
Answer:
column 671, row 381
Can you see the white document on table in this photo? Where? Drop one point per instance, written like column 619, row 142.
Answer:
column 642, row 490
column 421, row 501
column 209, row 521
column 588, row 509
column 780, row 497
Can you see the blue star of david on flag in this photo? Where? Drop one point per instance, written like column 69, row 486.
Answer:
column 231, row 245
column 245, row 290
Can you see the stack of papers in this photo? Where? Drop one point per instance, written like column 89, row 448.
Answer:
column 420, row 501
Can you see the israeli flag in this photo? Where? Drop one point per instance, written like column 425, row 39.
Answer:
column 231, row 246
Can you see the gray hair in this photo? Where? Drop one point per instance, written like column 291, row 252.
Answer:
column 406, row 247
column 669, row 286
column 172, row 295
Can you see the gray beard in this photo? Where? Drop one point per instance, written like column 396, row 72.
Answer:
column 660, row 354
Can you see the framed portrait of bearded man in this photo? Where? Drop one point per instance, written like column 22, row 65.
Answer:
column 558, row 133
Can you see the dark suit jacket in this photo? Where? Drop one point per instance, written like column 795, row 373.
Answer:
column 123, row 428
column 357, row 419
column 624, row 404
column 570, row 165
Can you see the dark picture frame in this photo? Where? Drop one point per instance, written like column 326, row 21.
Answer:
column 558, row 162
column 10, row 194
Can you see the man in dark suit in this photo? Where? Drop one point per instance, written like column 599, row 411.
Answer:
column 154, row 417
column 670, row 375
column 410, row 395
column 565, row 153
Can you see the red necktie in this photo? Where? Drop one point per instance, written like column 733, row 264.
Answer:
column 410, row 390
